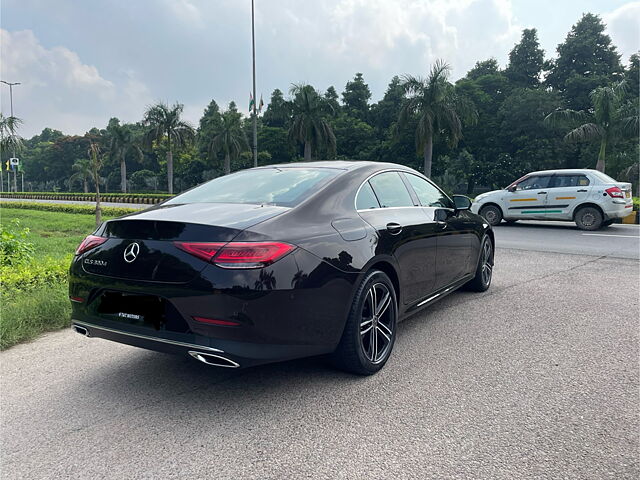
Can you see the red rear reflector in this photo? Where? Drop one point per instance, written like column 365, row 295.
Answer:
column 92, row 241
column 214, row 321
column 204, row 251
column 76, row 299
column 237, row 254
column 615, row 192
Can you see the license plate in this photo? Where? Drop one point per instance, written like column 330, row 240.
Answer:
column 627, row 194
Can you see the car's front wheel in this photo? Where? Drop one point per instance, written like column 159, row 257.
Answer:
column 492, row 214
column 370, row 331
column 589, row 218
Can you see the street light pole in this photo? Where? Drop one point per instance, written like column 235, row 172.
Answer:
column 255, row 98
column 15, row 173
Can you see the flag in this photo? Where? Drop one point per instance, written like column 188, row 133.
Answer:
column 251, row 102
column 260, row 105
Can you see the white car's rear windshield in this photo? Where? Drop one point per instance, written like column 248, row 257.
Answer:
column 603, row 177
column 285, row 187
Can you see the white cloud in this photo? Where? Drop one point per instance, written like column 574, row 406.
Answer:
column 623, row 27
column 58, row 90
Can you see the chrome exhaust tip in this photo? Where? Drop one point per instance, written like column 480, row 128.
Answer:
column 80, row 330
column 213, row 360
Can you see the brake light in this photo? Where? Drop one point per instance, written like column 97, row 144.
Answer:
column 91, row 241
column 238, row 254
column 615, row 192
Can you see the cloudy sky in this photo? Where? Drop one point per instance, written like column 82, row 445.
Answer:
column 83, row 61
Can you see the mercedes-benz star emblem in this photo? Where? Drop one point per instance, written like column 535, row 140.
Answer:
column 131, row 252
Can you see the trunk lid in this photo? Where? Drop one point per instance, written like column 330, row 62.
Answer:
column 141, row 246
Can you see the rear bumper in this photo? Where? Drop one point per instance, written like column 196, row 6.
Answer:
column 225, row 353
column 618, row 209
column 303, row 316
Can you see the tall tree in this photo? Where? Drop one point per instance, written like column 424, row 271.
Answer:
column 482, row 68
column 278, row 111
column 332, row 97
column 310, row 125
column 164, row 123
column 208, row 125
column 356, row 97
column 386, row 111
column 586, row 60
column 122, row 142
column 438, row 108
column 608, row 119
column 526, row 60
column 229, row 138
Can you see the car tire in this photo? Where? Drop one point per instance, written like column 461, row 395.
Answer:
column 368, row 337
column 588, row 218
column 492, row 214
column 484, row 271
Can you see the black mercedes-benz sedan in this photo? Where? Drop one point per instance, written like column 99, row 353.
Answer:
column 281, row 262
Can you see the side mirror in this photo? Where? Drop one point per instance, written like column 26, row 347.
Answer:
column 512, row 188
column 461, row 202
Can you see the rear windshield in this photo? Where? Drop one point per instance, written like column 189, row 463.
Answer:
column 284, row 187
column 603, row 177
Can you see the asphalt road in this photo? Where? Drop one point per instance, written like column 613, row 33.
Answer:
column 617, row 240
column 536, row 378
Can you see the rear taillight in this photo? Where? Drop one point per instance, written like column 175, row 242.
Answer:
column 238, row 254
column 615, row 192
column 92, row 241
column 204, row 251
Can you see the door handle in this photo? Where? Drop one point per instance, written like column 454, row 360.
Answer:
column 394, row 228
column 542, row 193
column 581, row 191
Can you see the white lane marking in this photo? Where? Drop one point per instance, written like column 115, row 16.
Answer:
column 610, row 235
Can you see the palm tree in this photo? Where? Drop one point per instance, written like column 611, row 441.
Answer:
column 10, row 140
column 82, row 169
column 310, row 126
column 609, row 118
column 438, row 108
column 229, row 138
column 123, row 141
column 164, row 122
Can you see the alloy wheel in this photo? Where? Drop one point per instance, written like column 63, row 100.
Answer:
column 377, row 323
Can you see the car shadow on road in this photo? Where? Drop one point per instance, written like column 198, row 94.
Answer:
column 139, row 378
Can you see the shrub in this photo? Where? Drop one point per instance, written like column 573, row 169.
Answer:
column 70, row 208
column 14, row 247
column 27, row 276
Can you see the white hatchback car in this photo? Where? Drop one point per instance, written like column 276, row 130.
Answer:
column 588, row 197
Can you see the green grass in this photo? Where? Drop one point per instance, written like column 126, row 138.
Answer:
column 54, row 235
column 29, row 307
column 27, row 314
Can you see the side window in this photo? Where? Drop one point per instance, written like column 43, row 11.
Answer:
column 427, row 193
column 534, row 182
column 563, row 181
column 390, row 190
column 366, row 198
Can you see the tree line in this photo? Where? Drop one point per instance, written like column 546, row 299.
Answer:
column 578, row 110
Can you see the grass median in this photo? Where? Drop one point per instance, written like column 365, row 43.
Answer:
column 33, row 295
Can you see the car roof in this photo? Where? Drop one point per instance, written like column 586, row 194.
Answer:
column 565, row 171
column 338, row 164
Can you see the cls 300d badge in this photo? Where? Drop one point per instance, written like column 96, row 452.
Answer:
column 99, row 263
